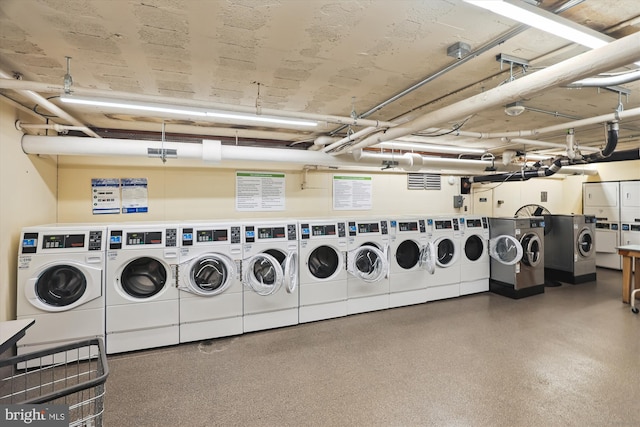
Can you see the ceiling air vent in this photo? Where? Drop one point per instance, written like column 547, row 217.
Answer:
column 423, row 181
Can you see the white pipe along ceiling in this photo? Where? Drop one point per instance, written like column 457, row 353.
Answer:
column 450, row 120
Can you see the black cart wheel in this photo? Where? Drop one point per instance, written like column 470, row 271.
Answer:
column 635, row 310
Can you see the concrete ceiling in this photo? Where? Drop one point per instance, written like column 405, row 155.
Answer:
column 339, row 58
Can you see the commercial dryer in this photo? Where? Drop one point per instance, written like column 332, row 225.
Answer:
column 569, row 248
column 602, row 200
column 517, row 256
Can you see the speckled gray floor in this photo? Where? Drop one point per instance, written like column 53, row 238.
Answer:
column 569, row 357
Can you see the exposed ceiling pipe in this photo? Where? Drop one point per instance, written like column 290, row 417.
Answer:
column 609, row 80
column 536, row 143
column 613, row 55
column 53, row 126
column 557, row 164
column 49, row 106
column 6, row 83
column 214, row 152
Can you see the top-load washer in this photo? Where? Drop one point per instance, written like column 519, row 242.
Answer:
column 517, row 256
column 323, row 269
column 368, row 265
column 475, row 260
column 209, row 281
column 569, row 248
column 270, row 274
column 412, row 261
column 142, row 298
column 61, row 284
column 445, row 282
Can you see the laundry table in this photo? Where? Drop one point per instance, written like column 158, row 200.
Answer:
column 11, row 331
column 630, row 256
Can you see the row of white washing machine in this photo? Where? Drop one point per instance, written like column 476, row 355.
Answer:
column 146, row 285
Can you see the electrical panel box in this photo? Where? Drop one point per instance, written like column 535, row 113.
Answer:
column 458, row 201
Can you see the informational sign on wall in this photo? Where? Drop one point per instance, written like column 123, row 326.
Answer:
column 135, row 196
column 260, row 191
column 352, row 192
column 105, row 195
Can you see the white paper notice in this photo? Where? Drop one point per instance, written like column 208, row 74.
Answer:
column 260, row 191
column 105, row 195
column 352, row 192
column 135, row 198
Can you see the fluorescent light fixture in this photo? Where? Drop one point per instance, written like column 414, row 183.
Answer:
column 545, row 21
column 198, row 112
column 395, row 145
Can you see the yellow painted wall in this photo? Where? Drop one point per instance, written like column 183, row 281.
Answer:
column 28, row 196
column 208, row 193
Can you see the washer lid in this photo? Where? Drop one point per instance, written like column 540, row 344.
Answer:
column 474, row 247
column 428, row 257
column 263, row 274
column 323, row 262
column 208, row 274
column 367, row 263
column 63, row 286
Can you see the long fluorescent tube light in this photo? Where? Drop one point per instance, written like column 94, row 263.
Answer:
column 167, row 109
column 430, row 147
column 545, row 21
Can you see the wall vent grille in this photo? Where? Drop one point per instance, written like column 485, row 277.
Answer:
column 423, row 181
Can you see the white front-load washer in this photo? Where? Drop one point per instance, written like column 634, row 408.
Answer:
column 475, row 260
column 270, row 274
column 412, row 261
column 445, row 282
column 323, row 269
column 60, row 282
column 142, row 298
column 209, row 281
column 368, row 265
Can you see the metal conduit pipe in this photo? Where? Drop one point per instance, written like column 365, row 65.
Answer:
column 612, row 141
column 50, row 106
column 615, row 54
column 7, row 83
column 534, row 142
column 612, row 80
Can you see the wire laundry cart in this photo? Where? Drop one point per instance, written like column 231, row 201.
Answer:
column 72, row 374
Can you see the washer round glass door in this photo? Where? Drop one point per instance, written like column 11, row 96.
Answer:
column 446, row 252
column 210, row 274
column 473, row 247
column 143, row 277
column 531, row 246
column 323, row 262
column 61, row 285
column 264, row 272
column 408, row 254
column 505, row 249
column 585, row 242
column 368, row 263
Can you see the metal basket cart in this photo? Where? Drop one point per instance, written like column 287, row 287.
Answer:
column 72, row 374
